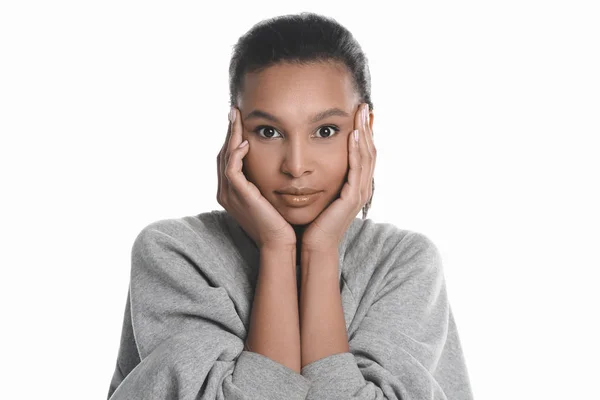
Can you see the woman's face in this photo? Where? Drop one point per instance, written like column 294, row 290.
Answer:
column 289, row 144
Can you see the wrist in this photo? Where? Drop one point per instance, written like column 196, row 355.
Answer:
column 277, row 248
column 327, row 251
column 322, row 262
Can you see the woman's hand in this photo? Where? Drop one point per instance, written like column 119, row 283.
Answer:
column 327, row 230
column 242, row 199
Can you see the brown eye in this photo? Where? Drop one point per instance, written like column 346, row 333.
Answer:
column 269, row 131
column 328, row 131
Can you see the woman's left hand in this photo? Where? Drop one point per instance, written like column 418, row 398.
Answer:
column 326, row 231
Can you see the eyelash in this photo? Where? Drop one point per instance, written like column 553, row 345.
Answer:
column 258, row 128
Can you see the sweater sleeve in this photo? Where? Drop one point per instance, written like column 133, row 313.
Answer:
column 182, row 338
column 407, row 344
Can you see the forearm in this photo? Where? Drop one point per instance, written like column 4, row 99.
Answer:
column 322, row 324
column 274, row 324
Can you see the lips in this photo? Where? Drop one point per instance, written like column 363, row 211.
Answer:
column 298, row 191
column 300, row 200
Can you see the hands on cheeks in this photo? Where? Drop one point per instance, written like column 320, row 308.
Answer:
column 326, row 231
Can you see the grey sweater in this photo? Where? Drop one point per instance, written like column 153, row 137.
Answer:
column 190, row 300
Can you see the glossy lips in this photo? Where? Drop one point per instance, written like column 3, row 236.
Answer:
column 299, row 201
column 298, row 191
column 299, row 197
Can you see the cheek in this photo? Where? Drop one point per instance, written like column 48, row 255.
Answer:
column 337, row 162
column 336, row 168
column 257, row 167
column 249, row 166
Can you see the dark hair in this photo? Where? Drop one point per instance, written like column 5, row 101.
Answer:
column 303, row 39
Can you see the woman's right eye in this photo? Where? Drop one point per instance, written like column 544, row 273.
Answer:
column 269, row 131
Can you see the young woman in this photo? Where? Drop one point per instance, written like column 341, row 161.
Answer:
column 285, row 294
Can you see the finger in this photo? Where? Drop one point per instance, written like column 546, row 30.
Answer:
column 368, row 120
column 364, row 153
column 238, row 181
column 233, row 170
column 219, row 177
column 356, row 169
column 225, row 146
column 235, row 135
column 222, row 157
column 372, row 152
column 365, row 128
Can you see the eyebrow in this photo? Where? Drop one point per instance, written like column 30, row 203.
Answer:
column 315, row 118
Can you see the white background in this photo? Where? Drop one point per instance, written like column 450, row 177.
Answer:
column 486, row 123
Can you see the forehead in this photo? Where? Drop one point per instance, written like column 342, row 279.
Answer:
column 297, row 87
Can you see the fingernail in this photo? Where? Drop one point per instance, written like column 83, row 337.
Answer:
column 356, row 135
column 365, row 113
column 232, row 114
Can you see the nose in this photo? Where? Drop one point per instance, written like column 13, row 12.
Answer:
column 296, row 160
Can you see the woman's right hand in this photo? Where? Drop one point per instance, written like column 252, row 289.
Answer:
column 242, row 199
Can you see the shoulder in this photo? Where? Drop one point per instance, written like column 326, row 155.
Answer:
column 387, row 243
column 368, row 232
column 203, row 228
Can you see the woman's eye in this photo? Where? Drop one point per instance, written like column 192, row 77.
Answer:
column 328, row 130
column 269, row 131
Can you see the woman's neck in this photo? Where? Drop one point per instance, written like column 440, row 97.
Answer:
column 299, row 229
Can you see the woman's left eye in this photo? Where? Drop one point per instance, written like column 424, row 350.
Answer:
column 328, row 130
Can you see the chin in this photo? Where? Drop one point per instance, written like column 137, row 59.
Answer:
column 299, row 215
